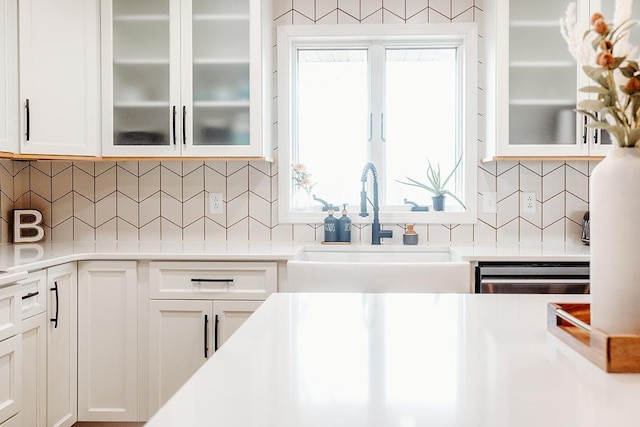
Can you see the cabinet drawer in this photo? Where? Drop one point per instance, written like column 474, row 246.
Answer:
column 212, row 280
column 10, row 316
column 33, row 294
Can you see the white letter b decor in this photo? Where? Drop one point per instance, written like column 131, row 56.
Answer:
column 26, row 226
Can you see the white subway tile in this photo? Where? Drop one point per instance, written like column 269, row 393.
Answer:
column 61, row 184
column 106, row 209
column 239, row 232
column 149, row 209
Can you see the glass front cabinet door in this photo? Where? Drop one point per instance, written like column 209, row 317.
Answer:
column 186, row 78
column 533, row 88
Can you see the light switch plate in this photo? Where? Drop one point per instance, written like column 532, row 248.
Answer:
column 489, row 202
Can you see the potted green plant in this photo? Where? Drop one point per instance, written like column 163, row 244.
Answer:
column 436, row 185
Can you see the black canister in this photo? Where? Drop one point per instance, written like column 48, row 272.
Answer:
column 330, row 228
column 344, row 226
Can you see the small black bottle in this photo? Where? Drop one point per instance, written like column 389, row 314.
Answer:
column 330, row 228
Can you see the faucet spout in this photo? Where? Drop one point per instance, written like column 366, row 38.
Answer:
column 376, row 233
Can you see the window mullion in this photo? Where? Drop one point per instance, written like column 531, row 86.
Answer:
column 376, row 148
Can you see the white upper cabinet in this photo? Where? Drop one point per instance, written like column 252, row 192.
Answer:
column 59, row 47
column 533, row 83
column 186, row 78
column 8, row 76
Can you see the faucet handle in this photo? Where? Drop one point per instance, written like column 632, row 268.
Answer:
column 363, row 203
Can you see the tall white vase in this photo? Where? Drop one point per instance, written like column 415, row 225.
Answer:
column 614, row 215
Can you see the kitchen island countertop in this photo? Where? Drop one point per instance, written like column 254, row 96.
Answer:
column 401, row 360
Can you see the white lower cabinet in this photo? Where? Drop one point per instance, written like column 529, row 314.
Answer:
column 34, row 371
column 10, row 380
column 10, row 352
column 183, row 334
column 194, row 308
column 62, row 346
column 107, row 341
column 179, row 344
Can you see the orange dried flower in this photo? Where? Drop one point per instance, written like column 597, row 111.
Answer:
column 601, row 27
column 633, row 85
column 605, row 60
column 606, row 45
column 595, row 17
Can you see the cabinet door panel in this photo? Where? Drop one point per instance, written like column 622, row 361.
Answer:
column 62, row 346
column 180, row 342
column 34, row 371
column 230, row 315
column 10, row 379
column 9, row 76
column 107, row 341
column 59, row 76
column 142, row 114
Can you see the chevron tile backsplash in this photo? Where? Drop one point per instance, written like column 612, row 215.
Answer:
column 167, row 200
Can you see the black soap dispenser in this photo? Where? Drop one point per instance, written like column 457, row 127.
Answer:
column 344, row 226
column 330, row 228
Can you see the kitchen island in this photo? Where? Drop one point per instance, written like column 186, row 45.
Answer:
column 401, row 360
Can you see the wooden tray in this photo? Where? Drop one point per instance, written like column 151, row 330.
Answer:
column 571, row 324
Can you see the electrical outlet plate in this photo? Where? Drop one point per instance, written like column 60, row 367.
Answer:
column 528, row 201
column 215, row 203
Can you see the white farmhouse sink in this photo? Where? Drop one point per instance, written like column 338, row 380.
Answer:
column 377, row 269
column 392, row 254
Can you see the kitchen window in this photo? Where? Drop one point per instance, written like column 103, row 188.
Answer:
column 397, row 96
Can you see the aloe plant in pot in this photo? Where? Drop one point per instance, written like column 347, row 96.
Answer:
column 436, row 185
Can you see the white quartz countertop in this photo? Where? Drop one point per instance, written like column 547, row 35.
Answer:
column 27, row 257
column 522, row 252
column 401, row 360
column 38, row 255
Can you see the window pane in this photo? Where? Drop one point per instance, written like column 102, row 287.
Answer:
column 332, row 109
column 421, row 110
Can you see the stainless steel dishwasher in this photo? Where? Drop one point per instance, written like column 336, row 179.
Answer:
column 532, row 278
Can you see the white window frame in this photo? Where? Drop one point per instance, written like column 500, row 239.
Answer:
column 290, row 38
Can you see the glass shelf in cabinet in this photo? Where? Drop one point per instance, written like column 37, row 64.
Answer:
column 140, row 61
column 542, row 64
column 141, row 104
column 221, row 61
column 541, row 23
column 541, row 102
column 220, row 17
column 140, row 18
column 221, row 104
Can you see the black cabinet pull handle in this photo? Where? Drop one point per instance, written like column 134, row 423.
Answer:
column 174, row 125
column 595, row 132
column 30, row 295
column 213, row 280
column 55, row 290
column 584, row 131
column 28, row 118
column 215, row 333
column 184, row 125
column 206, row 343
